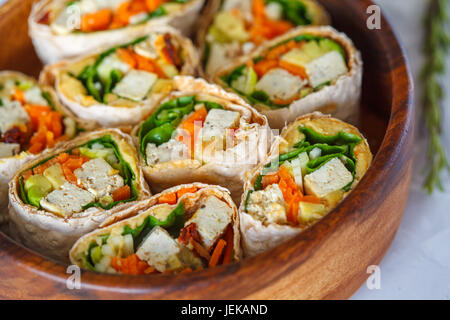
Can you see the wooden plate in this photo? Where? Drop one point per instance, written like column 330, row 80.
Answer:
column 327, row 261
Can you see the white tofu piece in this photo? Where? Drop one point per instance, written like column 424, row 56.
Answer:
column 212, row 218
column 163, row 252
column 274, row 11
column 34, row 96
column 12, row 114
column 171, row 150
column 9, row 149
column 280, row 84
column 98, row 177
column 110, row 63
column 217, row 122
column 67, row 200
column 332, row 176
column 66, row 20
column 268, row 205
column 135, row 85
column 326, row 68
column 147, row 48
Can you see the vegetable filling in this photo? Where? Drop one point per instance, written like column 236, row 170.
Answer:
column 296, row 188
column 289, row 71
column 169, row 239
column 93, row 174
column 242, row 25
column 188, row 128
column 29, row 120
column 127, row 74
column 96, row 15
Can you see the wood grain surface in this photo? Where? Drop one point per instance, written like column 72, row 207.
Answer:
column 328, row 261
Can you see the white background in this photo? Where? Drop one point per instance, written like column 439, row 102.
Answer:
column 418, row 264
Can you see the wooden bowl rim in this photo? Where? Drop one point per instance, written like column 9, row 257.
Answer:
column 299, row 247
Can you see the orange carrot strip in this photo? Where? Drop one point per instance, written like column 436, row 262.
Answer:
column 269, row 179
column 217, row 253
column 18, row 96
column 96, row 21
column 294, row 69
column 183, row 191
column 264, row 66
column 127, row 56
column 228, row 255
column 122, row 193
column 169, row 198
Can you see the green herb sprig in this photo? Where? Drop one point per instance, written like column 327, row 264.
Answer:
column 437, row 43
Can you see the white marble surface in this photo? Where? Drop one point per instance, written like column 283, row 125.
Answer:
column 418, row 264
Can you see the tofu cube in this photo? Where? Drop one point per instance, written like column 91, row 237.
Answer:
column 332, row 176
column 171, row 150
column 280, row 84
column 67, row 200
column 268, row 205
column 163, row 252
column 326, row 68
column 135, row 85
column 217, row 122
column 212, row 218
column 98, row 177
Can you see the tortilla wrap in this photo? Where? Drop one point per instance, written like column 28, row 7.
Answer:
column 134, row 216
column 53, row 235
column 316, row 11
column 258, row 235
column 225, row 173
column 125, row 112
column 9, row 166
column 340, row 99
column 52, row 47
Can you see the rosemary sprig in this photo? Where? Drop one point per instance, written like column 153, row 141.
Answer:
column 437, row 43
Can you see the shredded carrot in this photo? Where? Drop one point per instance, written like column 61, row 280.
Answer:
column 149, row 65
column 294, row 69
column 169, row 198
column 152, row 5
column 127, row 55
column 123, row 193
column 183, row 191
column 131, row 265
column 269, row 179
column 217, row 253
column 27, row 174
column 190, row 123
column 18, row 96
column 96, row 21
column 228, row 255
column 264, row 66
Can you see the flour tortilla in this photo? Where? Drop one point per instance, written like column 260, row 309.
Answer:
column 115, row 116
column 51, row 47
column 9, row 166
column 139, row 212
column 165, row 175
column 52, row 235
column 257, row 236
column 341, row 99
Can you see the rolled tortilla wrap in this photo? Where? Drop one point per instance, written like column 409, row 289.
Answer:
column 182, row 229
column 200, row 133
column 118, row 86
column 311, row 168
column 233, row 28
column 305, row 70
column 71, row 190
column 54, row 25
column 28, row 114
